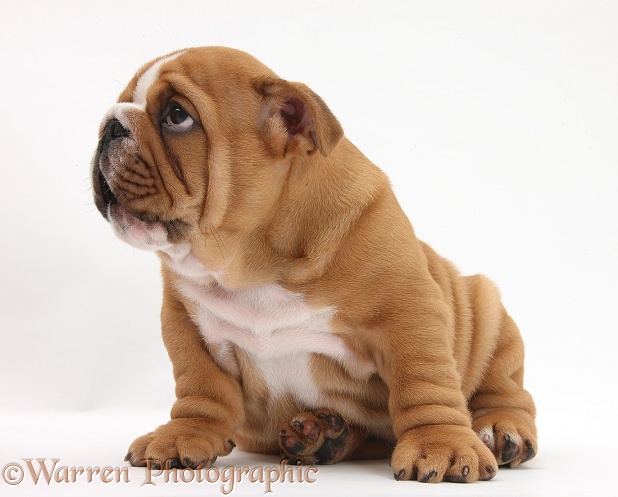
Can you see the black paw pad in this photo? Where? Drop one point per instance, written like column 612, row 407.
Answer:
column 332, row 449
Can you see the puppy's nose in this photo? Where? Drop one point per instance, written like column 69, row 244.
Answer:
column 114, row 130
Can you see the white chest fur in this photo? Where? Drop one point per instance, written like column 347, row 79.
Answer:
column 274, row 327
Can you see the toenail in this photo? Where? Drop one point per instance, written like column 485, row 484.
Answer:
column 399, row 475
column 529, row 451
column 455, row 479
column 465, row 471
column 428, row 476
column 510, row 450
column 490, row 473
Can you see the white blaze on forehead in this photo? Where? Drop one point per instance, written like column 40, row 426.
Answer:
column 148, row 78
column 144, row 83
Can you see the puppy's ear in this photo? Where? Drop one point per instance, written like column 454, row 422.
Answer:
column 294, row 120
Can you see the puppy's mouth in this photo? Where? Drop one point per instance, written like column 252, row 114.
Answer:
column 107, row 195
column 140, row 229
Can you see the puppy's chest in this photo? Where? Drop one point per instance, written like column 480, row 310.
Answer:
column 265, row 321
column 275, row 328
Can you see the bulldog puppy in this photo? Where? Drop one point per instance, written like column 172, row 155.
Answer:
column 300, row 312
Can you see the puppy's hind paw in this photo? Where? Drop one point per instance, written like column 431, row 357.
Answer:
column 511, row 437
column 318, row 437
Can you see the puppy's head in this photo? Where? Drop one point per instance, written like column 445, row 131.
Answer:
column 200, row 139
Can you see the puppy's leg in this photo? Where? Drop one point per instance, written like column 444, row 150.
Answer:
column 324, row 437
column 208, row 408
column 502, row 411
column 435, row 440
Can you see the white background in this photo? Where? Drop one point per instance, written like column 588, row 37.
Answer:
column 496, row 122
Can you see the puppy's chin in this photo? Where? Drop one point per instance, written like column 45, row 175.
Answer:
column 145, row 235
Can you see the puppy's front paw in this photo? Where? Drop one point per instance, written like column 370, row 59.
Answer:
column 181, row 443
column 437, row 453
column 318, row 437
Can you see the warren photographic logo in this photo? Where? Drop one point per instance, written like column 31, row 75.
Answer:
column 48, row 472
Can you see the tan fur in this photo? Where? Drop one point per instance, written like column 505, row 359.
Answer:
column 304, row 208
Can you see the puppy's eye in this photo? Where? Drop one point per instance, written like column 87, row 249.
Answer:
column 178, row 118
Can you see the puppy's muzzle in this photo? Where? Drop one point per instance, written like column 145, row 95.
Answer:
column 103, row 194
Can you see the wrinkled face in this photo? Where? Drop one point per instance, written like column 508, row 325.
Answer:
column 199, row 140
column 133, row 162
column 162, row 163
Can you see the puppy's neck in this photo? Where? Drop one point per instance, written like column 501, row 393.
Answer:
column 323, row 199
